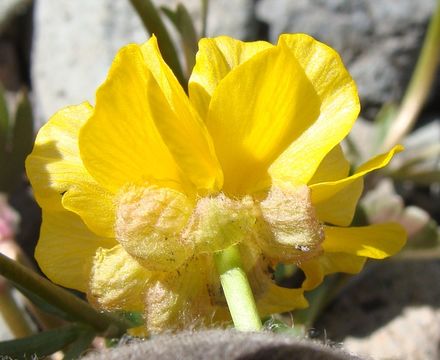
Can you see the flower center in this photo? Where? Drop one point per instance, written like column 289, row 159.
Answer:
column 162, row 228
column 219, row 222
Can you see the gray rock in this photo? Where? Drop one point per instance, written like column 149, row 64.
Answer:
column 76, row 41
column 74, row 44
column 342, row 24
column 413, row 335
column 391, row 312
column 397, row 17
column 233, row 18
column 378, row 39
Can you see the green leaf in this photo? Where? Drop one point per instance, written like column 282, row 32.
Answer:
column 4, row 134
column 382, row 122
column 134, row 318
column 318, row 299
column 418, row 176
column 42, row 344
column 360, row 217
column 188, row 36
column 423, row 245
column 285, row 272
column 22, row 138
column 42, row 304
column 154, row 24
column 426, row 157
column 61, row 299
column 4, row 120
column 426, row 238
column 77, row 348
column 204, row 5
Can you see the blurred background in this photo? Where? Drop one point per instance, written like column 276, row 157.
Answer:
column 55, row 53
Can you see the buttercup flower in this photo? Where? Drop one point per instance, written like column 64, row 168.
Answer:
column 139, row 192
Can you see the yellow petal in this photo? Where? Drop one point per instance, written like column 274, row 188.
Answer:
column 54, row 164
column 329, row 263
column 339, row 208
column 341, row 262
column 339, row 107
column 256, row 112
column 378, row 161
column 120, row 142
column 180, row 125
column 314, row 274
column 66, row 249
column 374, row 241
column 138, row 134
column 335, row 201
column 277, row 299
column 94, row 204
column 333, row 167
column 117, row 281
column 269, row 297
column 325, row 190
column 214, row 60
column 58, row 176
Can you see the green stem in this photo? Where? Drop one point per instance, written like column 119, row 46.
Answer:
column 419, row 86
column 12, row 314
column 154, row 24
column 237, row 290
column 205, row 4
column 355, row 155
column 318, row 299
column 60, row 298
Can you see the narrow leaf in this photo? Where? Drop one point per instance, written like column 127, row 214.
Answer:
column 171, row 14
column 318, row 299
column 77, row 348
column 382, row 122
column 42, row 344
column 154, row 24
column 426, row 238
column 188, row 36
column 419, row 86
column 42, row 304
column 60, row 298
column 4, row 120
column 134, row 318
column 418, row 176
column 22, row 139
column 4, row 133
column 205, row 4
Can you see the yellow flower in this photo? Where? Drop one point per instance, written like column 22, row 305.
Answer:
column 140, row 191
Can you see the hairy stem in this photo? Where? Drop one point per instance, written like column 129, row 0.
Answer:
column 237, row 290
